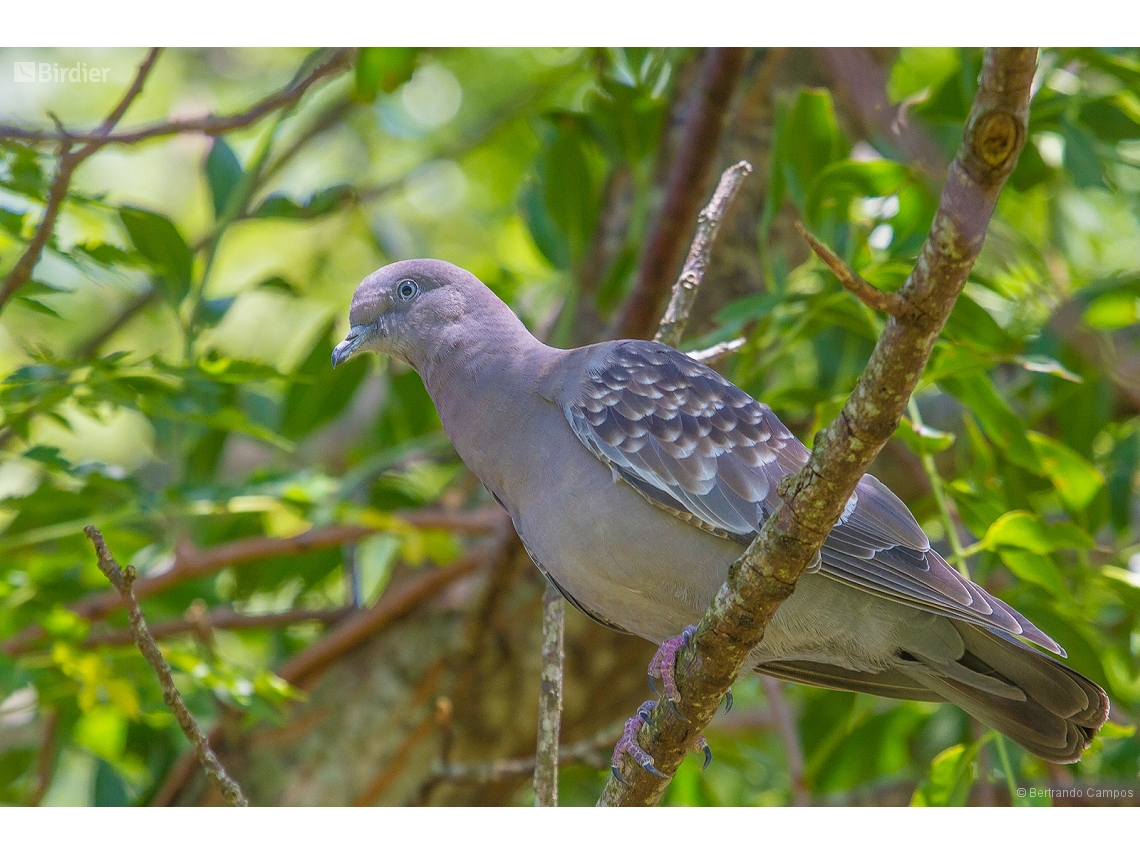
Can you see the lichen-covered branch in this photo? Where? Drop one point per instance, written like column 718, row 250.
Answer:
column 123, row 580
column 767, row 572
column 704, row 123
column 684, row 293
column 549, row 699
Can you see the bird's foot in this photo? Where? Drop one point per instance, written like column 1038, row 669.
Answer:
column 663, row 667
column 628, row 744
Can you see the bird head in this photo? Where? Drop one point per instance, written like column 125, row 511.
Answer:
column 403, row 308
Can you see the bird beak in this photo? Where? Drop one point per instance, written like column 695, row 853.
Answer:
column 352, row 342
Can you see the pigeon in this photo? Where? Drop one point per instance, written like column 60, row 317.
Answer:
column 635, row 476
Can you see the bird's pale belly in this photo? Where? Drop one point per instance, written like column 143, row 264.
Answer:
column 638, row 567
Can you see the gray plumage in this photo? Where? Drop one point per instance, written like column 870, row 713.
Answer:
column 635, row 476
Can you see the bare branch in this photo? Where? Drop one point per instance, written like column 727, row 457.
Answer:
column 711, row 354
column 868, row 294
column 704, row 122
column 594, row 751
column 192, row 563
column 225, row 618
column 211, row 125
column 123, row 582
column 356, row 629
column 69, row 160
column 549, row 699
column 684, row 294
column 766, row 574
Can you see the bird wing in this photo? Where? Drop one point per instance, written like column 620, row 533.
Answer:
column 699, row 447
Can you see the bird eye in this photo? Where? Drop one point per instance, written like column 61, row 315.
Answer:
column 407, row 289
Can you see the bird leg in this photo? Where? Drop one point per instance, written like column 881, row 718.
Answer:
column 663, row 666
column 628, row 744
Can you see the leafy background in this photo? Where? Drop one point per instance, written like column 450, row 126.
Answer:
column 166, row 377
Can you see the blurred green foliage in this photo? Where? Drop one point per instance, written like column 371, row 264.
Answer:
column 166, row 374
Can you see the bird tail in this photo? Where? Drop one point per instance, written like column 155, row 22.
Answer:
column 1042, row 705
column 1019, row 691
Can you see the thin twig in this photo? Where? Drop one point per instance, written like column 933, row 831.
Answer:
column 224, row 618
column 594, row 751
column 304, row 667
column 123, row 581
column 684, row 293
column 211, row 125
column 549, row 699
column 868, row 294
column 69, row 160
column 688, row 174
column 711, row 354
column 766, row 574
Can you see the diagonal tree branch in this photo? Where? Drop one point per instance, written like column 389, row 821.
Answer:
column 123, row 582
column 684, row 294
column 767, row 572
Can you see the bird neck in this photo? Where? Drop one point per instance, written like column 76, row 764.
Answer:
column 469, row 363
column 475, row 379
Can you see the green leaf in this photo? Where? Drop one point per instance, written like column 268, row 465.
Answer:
column 1035, row 568
column 998, row 421
column 109, row 788
column 810, row 141
column 923, row 439
column 381, row 69
column 548, row 238
column 918, row 69
column 319, row 394
column 950, row 777
column 838, row 183
column 1026, row 530
column 1081, row 159
column 1107, row 121
column 223, row 172
column 318, row 205
column 158, row 240
column 1113, row 310
column 567, row 181
column 971, row 325
column 1077, row 481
